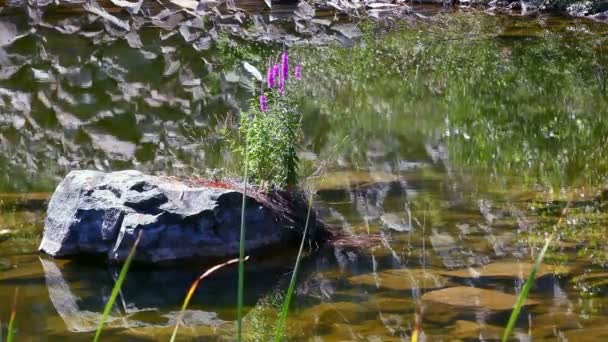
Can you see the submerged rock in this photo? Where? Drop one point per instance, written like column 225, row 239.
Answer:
column 400, row 279
column 519, row 270
column 102, row 213
column 473, row 297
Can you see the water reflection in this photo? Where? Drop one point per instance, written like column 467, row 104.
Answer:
column 454, row 161
column 149, row 297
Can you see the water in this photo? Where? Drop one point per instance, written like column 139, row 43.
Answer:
column 448, row 145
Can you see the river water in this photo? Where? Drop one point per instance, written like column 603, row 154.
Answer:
column 447, row 148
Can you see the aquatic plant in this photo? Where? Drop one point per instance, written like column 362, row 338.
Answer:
column 292, row 282
column 261, row 321
column 524, row 293
column 193, row 288
column 116, row 289
column 241, row 277
column 11, row 323
column 271, row 130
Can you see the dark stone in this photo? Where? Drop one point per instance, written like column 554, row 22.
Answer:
column 102, row 213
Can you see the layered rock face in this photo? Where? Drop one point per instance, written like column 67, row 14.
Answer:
column 95, row 213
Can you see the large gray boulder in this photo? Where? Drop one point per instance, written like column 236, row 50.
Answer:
column 95, row 213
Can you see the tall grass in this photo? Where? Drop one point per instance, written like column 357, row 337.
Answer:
column 193, row 288
column 116, row 289
column 241, row 279
column 530, row 281
column 292, row 282
column 416, row 331
column 524, row 293
column 11, row 323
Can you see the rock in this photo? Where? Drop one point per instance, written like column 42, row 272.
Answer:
column 587, row 334
column 102, row 213
column 473, row 297
column 400, row 279
column 467, row 330
column 579, row 9
column 390, row 304
column 602, row 16
column 506, row 270
column 330, row 312
column 395, row 222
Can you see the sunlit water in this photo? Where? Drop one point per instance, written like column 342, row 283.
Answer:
column 449, row 145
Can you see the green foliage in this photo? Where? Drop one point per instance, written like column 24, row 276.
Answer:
column 294, row 275
column 10, row 334
column 261, row 321
column 116, row 289
column 270, row 140
column 524, row 293
column 490, row 90
column 241, row 278
column 585, row 228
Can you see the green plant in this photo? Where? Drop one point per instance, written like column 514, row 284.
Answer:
column 116, row 289
column 261, row 321
column 269, row 133
column 241, row 279
column 292, row 282
column 11, row 324
column 524, row 293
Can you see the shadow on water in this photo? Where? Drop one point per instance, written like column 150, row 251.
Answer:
column 150, row 297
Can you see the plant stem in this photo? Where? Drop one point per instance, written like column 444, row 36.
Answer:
column 11, row 324
column 292, row 282
column 193, row 288
column 114, row 294
column 241, row 280
column 524, row 292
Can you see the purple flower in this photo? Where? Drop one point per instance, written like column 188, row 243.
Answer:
column 263, row 103
column 281, row 84
column 285, row 65
column 270, row 77
column 298, row 72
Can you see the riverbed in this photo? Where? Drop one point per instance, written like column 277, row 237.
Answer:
column 444, row 146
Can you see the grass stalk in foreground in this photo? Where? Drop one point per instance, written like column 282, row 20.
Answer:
column 524, row 293
column 526, row 289
column 11, row 323
column 292, row 282
column 416, row 331
column 193, row 288
column 116, row 289
column 241, row 280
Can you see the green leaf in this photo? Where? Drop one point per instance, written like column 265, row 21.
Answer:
column 292, row 282
column 241, row 279
column 116, row 289
column 524, row 293
column 11, row 324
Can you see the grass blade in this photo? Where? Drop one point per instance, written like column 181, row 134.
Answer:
column 11, row 323
column 524, row 293
column 241, row 280
column 117, row 286
column 416, row 331
column 292, row 282
column 193, row 288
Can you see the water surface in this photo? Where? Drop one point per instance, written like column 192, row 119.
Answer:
column 447, row 144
